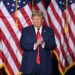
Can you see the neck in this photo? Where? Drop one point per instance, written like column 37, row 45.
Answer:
column 38, row 27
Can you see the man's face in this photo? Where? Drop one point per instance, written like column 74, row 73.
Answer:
column 37, row 21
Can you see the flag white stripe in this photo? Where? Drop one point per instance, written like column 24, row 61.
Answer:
column 1, row 51
column 73, row 8
column 72, row 26
column 1, row 61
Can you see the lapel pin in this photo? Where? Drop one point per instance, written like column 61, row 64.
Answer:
column 44, row 30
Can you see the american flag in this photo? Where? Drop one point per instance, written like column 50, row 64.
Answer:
column 14, row 16
column 55, row 17
column 57, row 12
column 10, row 52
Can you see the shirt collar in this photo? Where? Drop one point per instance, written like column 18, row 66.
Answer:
column 40, row 29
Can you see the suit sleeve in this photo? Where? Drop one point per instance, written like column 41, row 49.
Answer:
column 24, row 44
column 50, row 44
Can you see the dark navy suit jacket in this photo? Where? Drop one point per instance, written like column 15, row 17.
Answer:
column 27, row 41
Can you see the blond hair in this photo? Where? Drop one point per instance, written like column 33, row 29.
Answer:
column 37, row 13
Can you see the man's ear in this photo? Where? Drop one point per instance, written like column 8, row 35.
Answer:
column 42, row 20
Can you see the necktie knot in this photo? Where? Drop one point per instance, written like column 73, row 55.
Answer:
column 38, row 29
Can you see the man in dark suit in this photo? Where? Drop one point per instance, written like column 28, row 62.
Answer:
column 37, row 41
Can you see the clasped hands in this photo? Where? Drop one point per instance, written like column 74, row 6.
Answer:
column 39, row 41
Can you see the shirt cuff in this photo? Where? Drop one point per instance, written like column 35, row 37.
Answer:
column 43, row 44
column 35, row 46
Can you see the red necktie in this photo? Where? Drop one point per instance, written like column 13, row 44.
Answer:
column 38, row 54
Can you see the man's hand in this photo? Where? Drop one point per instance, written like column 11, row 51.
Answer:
column 39, row 41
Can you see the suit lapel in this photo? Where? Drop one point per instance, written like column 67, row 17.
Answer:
column 44, row 33
column 33, row 34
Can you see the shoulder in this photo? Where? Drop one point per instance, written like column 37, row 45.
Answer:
column 27, row 28
column 48, row 29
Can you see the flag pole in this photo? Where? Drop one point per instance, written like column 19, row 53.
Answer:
column 32, row 4
column 66, row 26
column 16, row 13
column 33, row 8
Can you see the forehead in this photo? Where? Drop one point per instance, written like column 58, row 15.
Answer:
column 37, row 16
column 37, row 13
